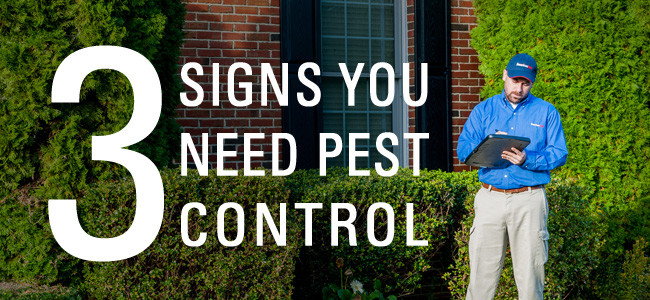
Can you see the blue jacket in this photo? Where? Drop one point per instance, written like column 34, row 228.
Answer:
column 533, row 118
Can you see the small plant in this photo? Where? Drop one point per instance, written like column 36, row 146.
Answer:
column 356, row 291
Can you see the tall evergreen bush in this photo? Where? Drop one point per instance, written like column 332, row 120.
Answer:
column 593, row 61
column 593, row 66
column 47, row 146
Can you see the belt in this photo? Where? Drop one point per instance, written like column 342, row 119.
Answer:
column 511, row 191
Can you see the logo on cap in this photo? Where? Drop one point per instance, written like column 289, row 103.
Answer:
column 524, row 65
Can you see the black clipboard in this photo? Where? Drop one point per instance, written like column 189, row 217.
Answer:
column 488, row 152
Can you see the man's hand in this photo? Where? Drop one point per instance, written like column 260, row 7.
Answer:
column 515, row 156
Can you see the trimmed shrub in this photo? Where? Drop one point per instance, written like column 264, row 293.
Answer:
column 174, row 270
column 576, row 238
column 46, row 146
column 438, row 201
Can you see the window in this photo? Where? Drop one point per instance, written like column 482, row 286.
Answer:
column 362, row 32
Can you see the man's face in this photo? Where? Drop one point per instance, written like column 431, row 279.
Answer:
column 517, row 89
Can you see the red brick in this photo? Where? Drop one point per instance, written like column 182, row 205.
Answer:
column 233, row 36
column 269, row 28
column 468, row 51
column 257, row 19
column 465, row 3
column 197, row 113
column 221, row 44
column 219, row 26
column 258, row 2
column 222, row 113
column 468, row 66
column 270, row 46
column 261, row 122
column 459, row 89
column 245, row 27
column 211, row 123
column 270, row 11
column 245, row 45
column 208, row 17
column 258, row 37
column 237, row 122
column 196, row 7
column 187, row 122
column 246, row 10
column 234, row 18
column 459, row 11
column 195, row 25
column 459, row 74
column 460, row 43
column 195, row 44
column 467, row 19
column 208, row 35
column 209, row 52
column 220, row 9
column 459, row 105
column 258, row 53
column 468, row 82
column 469, row 97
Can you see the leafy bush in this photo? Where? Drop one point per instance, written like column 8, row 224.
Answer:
column 593, row 59
column 28, row 251
column 575, row 240
column 438, row 201
column 46, row 146
column 175, row 270
column 634, row 281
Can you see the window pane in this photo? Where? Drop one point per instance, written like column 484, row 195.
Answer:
column 358, row 52
column 359, row 31
column 335, row 49
column 382, row 92
column 361, row 96
column 335, row 97
column 333, row 13
column 358, row 22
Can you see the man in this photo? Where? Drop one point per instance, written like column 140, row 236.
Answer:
column 511, row 206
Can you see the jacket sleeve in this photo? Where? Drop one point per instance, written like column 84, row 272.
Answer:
column 555, row 153
column 472, row 134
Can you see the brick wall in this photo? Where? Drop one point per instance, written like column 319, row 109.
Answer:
column 228, row 31
column 225, row 32
column 466, row 80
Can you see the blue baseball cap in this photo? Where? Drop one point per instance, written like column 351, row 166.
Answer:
column 522, row 65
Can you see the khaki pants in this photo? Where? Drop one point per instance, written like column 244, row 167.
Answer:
column 518, row 219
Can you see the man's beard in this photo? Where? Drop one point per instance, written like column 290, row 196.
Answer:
column 520, row 100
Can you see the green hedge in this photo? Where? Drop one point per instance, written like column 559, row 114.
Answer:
column 443, row 209
column 173, row 269
column 576, row 238
column 437, row 197
column 593, row 59
column 46, row 146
